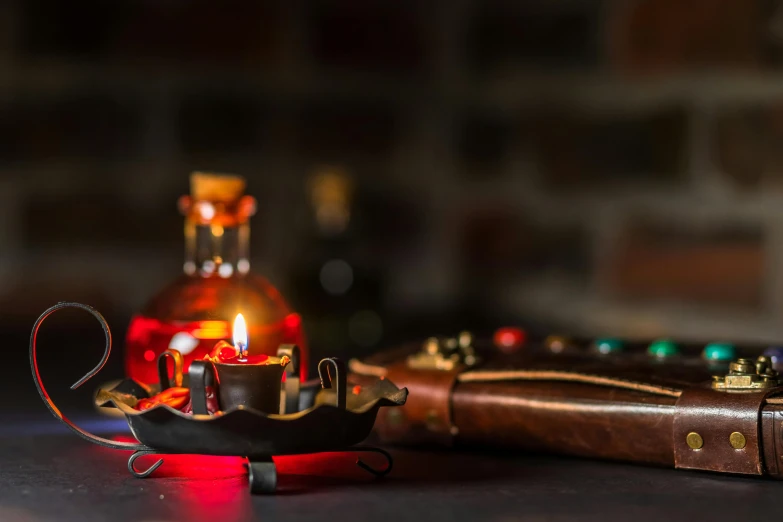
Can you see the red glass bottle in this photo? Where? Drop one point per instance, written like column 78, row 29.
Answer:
column 198, row 309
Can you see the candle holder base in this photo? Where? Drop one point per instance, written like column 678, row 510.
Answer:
column 335, row 422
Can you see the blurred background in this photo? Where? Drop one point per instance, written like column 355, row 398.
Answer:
column 592, row 167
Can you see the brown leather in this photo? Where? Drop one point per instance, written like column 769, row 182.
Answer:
column 715, row 415
column 567, row 418
column 426, row 416
column 629, row 407
column 772, row 440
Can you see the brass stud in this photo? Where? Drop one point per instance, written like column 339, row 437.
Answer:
column 737, row 440
column 694, row 440
column 743, row 366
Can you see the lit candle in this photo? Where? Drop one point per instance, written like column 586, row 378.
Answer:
column 240, row 336
column 237, row 353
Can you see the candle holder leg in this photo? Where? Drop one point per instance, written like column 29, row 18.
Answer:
column 146, row 473
column 378, row 473
column 262, row 476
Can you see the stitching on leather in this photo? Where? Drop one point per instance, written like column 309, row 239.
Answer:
column 555, row 375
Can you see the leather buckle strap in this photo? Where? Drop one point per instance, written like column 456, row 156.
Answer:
column 426, row 416
column 719, row 431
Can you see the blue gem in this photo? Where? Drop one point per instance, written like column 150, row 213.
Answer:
column 775, row 354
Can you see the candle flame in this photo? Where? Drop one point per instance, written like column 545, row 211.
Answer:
column 240, row 332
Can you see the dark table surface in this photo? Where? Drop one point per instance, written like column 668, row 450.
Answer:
column 48, row 473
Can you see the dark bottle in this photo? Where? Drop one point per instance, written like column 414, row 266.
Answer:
column 334, row 283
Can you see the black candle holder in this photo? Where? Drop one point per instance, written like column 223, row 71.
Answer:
column 335, row 422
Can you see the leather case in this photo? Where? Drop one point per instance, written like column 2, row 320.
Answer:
column 679, row 411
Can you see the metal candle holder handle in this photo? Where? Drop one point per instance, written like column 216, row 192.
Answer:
column 163, row 369
column 336, row 381
column 86, row 435
column 201, row 374
column 293, row 374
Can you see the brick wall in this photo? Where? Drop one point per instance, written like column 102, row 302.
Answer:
column 599, row 166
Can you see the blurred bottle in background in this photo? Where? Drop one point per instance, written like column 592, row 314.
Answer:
column 197, row 309
column 334, row 285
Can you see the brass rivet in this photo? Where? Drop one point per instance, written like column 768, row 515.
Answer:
column 737, row 440
column 694, row 440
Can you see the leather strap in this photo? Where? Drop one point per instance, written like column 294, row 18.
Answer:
column 771, row 440
column 566, row 376
column 716, row 418
column 426, row 416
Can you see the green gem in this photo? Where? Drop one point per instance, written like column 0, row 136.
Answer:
column 607, row 346
column 719, row 352
column 663, row 348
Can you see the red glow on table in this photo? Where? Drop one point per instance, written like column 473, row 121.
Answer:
column 333, row 465
column 124, row 438
column 205, row 486
column 509, row 339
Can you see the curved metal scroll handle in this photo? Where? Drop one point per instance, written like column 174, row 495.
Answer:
column 45, row 395
column 293, row 376
column 337, row 380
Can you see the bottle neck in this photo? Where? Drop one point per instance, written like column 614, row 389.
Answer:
column 214, row 250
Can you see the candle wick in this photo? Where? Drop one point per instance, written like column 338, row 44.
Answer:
column 242, row 350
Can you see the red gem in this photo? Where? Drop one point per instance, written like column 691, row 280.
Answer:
column 509, row 339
